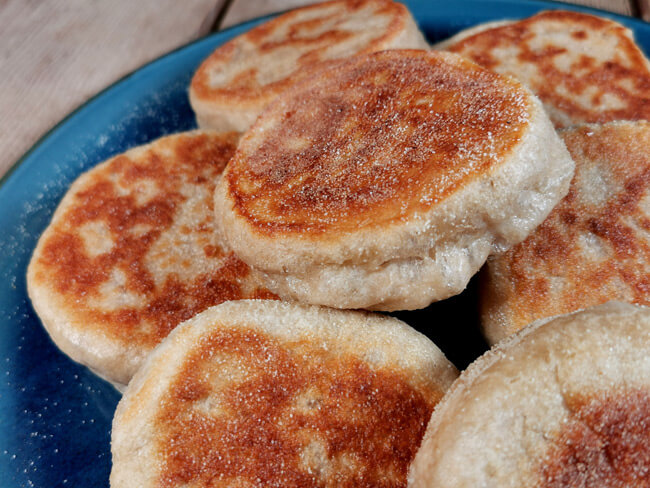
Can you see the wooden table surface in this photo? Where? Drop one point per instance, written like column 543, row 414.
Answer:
column 55, row 55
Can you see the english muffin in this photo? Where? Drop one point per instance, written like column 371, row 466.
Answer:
column 592, row 248
column 563, row 403
column 234, row 84
column 384, row 182
column 267, row 393
column 132, row 251
column 584, row 68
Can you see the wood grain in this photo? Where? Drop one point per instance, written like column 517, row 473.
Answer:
column 56, row 54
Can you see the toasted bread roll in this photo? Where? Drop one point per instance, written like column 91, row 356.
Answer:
column 584, row 68
column 266, row 393
column 563, row 403
column 385, row 181
column 234, row 84
column 132, row 251
column 592, row 248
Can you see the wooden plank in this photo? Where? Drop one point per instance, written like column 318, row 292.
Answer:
column 624, row 7
column 56, row 54
column 643, row 7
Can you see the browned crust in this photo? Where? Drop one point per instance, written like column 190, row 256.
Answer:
column 605, row 443
column 259, row 392
column 367, row 422
column 563, row 402
column 625, row 77
column 245, row 91
column 594, row 245
column 132, row 204
column 318, row 164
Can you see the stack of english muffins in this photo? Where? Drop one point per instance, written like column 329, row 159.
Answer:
column 228, row 279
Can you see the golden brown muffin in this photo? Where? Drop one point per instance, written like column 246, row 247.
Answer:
column 563, row 403
column 592, row 248
column 131, row 252
column 385, row 181
column 584, row 68
column 266, row 393
column 241, row 77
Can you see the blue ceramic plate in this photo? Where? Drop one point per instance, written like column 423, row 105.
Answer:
column 56, row 415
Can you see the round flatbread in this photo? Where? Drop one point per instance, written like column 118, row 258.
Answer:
column 266, row 393
column 132, row 251
column 584, row 68
column 234, row 84
column 563, row 403
column 384, row 182
column 592, row 248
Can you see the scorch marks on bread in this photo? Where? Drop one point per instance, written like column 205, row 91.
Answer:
column 132, row 252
